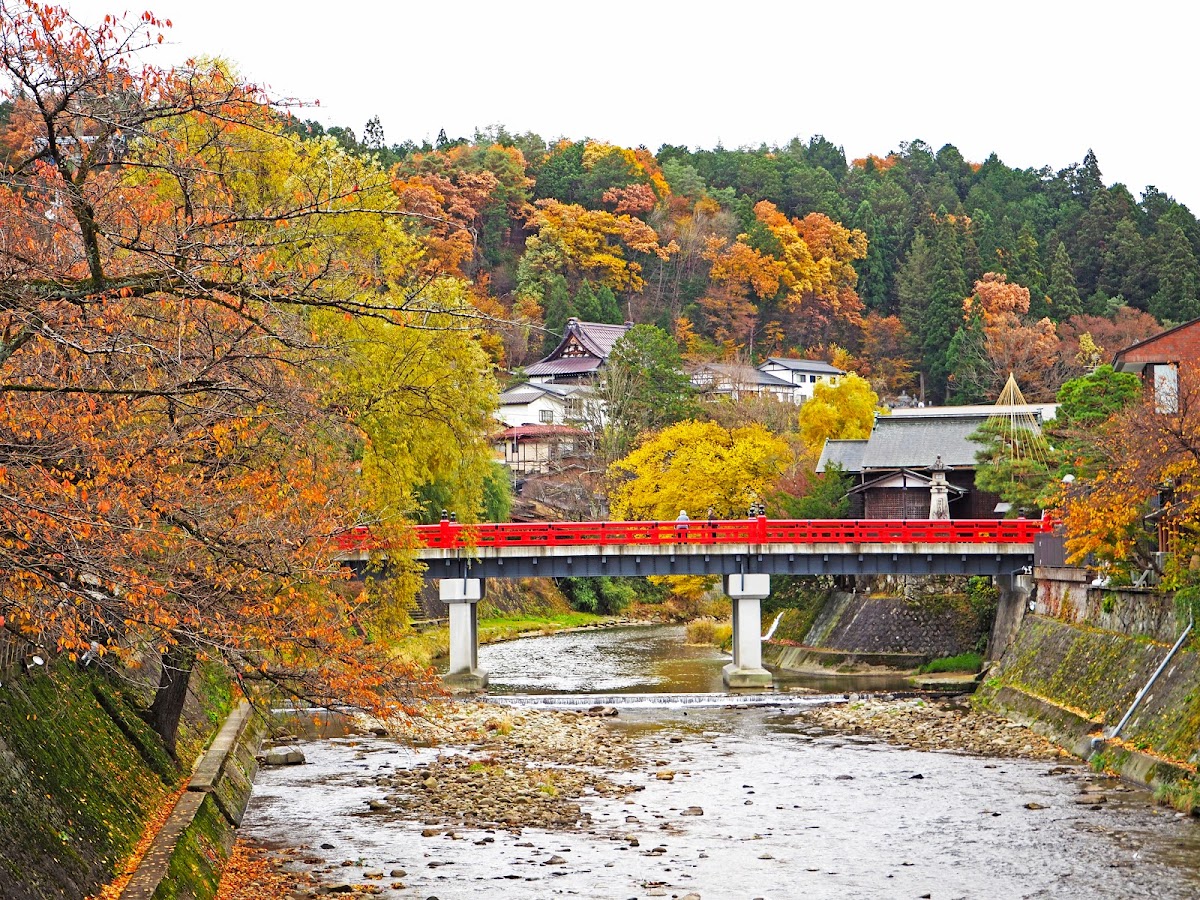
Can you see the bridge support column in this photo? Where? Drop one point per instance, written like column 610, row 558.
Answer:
column 462, row 596
column 1012, row 604
column 747, row 593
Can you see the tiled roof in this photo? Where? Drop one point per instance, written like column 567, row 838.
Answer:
column 527, row 392
column 847, row 454
column 533, row 432
column 914, row 442
column 571, row 365
column 597, row 336
column 815, row 366
column 735, row 374
column 1039, row 411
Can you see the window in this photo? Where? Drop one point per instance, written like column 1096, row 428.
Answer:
column 546, row 416
column 1166, row 389
column 574, row 408
column 812, row 379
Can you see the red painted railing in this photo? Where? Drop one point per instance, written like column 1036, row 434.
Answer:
column 452, row 535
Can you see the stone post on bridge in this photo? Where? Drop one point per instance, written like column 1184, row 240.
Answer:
column 747, row 593
column 462, row 596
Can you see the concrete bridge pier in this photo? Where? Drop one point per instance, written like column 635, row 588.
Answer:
column 462, row 596
column 1012, row 604
column 747, row 593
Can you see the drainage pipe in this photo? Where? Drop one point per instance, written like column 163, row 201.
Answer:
column 1153, row 678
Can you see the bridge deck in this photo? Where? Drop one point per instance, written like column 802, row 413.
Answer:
column 795, row 547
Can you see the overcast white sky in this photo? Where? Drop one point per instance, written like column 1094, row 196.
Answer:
column 1036, row 82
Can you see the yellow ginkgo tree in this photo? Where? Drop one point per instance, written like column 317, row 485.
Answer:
column 697, row 466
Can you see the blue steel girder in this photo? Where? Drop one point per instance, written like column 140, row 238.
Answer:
column 562, row 562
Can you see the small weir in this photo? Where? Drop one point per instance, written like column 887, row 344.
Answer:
column 662, row 701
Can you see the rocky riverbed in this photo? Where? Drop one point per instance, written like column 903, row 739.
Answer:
column 493, row 772
column 933, row 723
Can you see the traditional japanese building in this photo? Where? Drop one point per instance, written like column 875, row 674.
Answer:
column 580, row 355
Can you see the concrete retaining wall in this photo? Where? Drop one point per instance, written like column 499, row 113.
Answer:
column 1067, row 593
column 1071, row 681
column 186, row 858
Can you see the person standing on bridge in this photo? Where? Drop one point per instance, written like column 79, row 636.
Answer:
column 681, row 525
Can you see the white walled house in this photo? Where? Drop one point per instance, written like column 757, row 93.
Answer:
column 532, row 449
column 738, row 381
column 802, row 374
column 549, row 404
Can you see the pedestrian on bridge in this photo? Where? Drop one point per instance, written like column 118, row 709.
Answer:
column 681, row 525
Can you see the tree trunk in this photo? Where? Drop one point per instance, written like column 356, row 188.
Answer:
column 167, row 708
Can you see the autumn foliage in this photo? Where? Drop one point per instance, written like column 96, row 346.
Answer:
column 175, row 460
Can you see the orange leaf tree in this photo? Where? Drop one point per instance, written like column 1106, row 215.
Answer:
column 1143, row 461
column 172, row 469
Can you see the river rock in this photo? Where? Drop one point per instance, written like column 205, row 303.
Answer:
column 397, row 873
column 282, row 758
column 693, row 811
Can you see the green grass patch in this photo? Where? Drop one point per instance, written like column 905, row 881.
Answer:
column 964, row 662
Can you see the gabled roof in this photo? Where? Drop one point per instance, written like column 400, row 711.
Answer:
column 1137, row 356
column 528, row 391
column 814, row 366
column 597, row 338
column 576, row 365
column 847, row 454
column 904, row 478
column 745, row 375
column 914, row 442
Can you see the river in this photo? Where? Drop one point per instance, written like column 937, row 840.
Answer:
column 785, row 810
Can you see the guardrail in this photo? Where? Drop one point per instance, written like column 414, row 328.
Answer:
column 447, row 535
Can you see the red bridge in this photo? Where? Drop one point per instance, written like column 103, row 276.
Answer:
column 746, row 552
column 772, row 546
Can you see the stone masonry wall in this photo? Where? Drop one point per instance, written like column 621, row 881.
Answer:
column 1066, row 594
column 863, row 624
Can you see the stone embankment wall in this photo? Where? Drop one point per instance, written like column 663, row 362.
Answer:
column 80, row 774
column 1077, row 663
column 189, row 852
column 859, row 629
column 1068, row 594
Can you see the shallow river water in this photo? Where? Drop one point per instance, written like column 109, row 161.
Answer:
column 787, row 811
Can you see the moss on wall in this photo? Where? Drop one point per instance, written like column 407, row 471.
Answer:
column 81, row 772
column 80, row 775
column 1099, row 673
column 195, row 870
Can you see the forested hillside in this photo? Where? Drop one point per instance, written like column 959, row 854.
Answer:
column 746, row 252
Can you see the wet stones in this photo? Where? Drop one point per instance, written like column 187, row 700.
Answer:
column 933, row 724
column 518, row 771
column 281, row 757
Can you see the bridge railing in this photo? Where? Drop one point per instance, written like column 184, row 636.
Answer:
column 453, row 535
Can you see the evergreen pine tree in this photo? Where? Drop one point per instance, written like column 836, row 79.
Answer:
column 943, row 312
column 1175, row 300
column 1064, row 299
column 872, row 269
column 556, row 310
column 586, row 304
column 913, row 284
column 610, row 309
